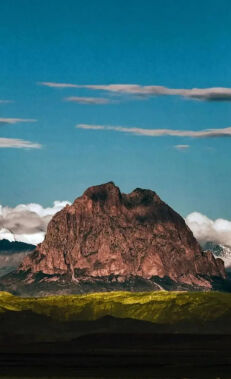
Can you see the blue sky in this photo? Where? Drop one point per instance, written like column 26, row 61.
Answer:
column 178, row 45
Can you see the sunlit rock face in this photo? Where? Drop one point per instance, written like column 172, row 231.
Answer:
column 106, row 233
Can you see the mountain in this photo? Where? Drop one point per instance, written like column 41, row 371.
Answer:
column 12, row 254
column 108, row 240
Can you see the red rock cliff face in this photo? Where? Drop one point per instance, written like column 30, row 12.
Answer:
column 105, row 232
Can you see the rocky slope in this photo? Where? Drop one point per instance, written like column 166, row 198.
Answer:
column 109, row 237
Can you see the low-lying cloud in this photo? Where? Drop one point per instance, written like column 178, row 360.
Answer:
column 27, row 222
column 207, row 230
column 18, row 144
column 205, row 133
column 206, row 94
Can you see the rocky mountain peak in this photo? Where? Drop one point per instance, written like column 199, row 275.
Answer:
column 109, row 237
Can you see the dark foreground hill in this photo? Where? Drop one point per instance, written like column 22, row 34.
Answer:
column 117, row 335
column 159, row 312
column 107, row 240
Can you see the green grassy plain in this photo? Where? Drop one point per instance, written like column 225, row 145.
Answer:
column 156, row 307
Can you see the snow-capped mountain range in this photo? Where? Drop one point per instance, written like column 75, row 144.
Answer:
column 220, row 251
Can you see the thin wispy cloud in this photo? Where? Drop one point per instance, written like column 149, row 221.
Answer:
column 58, row 85
column 18, row 144
column 87, row 100
column 14, row 142
column 5, row 101
column 206, row 133
column 181, row 147
column 15, row 120
column 207, row 94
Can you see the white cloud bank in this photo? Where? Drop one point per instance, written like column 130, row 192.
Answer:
column 27, row 222
column 207, row 94
column 205, row 133
column 205, row 229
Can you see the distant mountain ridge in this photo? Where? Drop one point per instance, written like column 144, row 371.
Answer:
column 7, row 246
column 12, row 254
